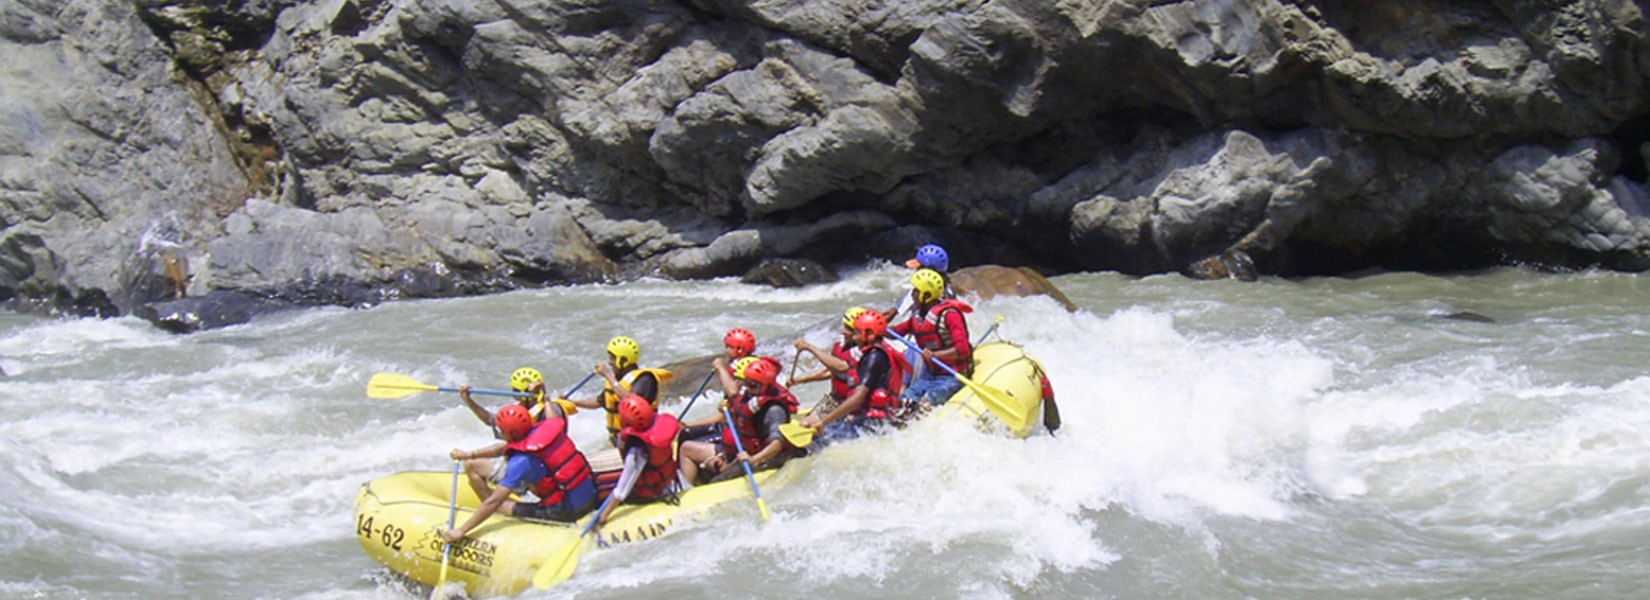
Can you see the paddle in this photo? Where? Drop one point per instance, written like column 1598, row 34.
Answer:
column 447, row 550
column 389, row 386
column 997, row 401
column 576, row 386
column 793, row 430
column 740, row 446
column 796, row 434
column 794, row 362
column 989, row 331
column 696, row 393
column 561, row 567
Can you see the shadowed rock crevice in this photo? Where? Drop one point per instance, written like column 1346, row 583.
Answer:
column 352, row 151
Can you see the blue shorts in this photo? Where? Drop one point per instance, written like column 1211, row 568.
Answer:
column 576, row 503
column 932, row 387
column 848, row 429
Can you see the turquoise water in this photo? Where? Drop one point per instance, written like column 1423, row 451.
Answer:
column 1392, row 436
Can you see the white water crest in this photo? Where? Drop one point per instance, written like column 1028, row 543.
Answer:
column 1482, row 435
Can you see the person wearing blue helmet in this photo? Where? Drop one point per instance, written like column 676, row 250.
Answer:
column 929, row 256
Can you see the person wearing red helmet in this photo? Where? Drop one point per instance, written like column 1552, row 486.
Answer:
column 647, row 443
column 874, row 396
column 757, row 407
column 541, row 459
column 737, row 344
column 525, row 379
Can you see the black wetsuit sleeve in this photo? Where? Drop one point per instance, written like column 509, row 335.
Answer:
column 647, row 386
column 875, row 369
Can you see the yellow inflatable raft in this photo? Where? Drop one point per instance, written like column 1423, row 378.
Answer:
column 398, row 520
column 1006, row 367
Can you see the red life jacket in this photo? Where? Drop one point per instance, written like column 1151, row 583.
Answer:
column 884, row 400
column 568, row 469
column 745, row 412
column 660, row 471
column 842, row 383
column 931, row 333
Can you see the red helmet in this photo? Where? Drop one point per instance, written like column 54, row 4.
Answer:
column 635, row 412
column 763, row 371
column 871, row 324
column 514, row 422
column 741, row 340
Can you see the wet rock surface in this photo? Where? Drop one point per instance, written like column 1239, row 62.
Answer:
column 356, row 151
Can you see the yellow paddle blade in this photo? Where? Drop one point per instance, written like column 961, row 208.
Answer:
column 560, row 567
column 796, row 434
column 388, row 386
column 999, row 403
column 436, row 593
column 763, row 505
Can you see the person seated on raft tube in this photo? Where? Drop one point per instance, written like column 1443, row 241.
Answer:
column 941, row 330
column 930, row 256
column 874, row 396
column 758, row 407
column 540, row 459
column 837, row 366
column 525, row 379
column 708, row 429
column 648, row 442
column 738, row 344
column 624, row 378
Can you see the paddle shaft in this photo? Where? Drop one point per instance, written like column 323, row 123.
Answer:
column 696, row 393
column 486, row 392
column 557, row 571
column 602, row 510
column 579, row 385
column 988, row 332
column 912, row 344
column 995, row 404
column 740, row 446
column 452, row 517
column 794, row 362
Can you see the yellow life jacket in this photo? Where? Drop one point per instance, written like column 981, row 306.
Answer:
column 611, row 397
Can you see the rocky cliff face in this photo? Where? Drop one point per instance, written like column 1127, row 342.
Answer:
column 350, row 151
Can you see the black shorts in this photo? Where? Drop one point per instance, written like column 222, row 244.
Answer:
column 702, row 433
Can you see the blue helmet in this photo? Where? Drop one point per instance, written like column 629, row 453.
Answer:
column 934, row 257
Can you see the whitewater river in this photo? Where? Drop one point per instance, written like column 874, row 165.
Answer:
column 1327, row 438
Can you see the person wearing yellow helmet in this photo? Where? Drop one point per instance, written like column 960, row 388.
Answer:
column 519, row 382
column 940, row 329
column 624, row 377
column 931, row 257
column 836, row 365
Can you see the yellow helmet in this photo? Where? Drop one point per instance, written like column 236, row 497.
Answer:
column 626, row 352
column 848, row 317
column 524, row 377
column 739, row 365
column 930, row 285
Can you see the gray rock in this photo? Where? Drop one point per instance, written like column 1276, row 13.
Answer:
column 788, row 273
column 443, row 147
column 220, row 308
